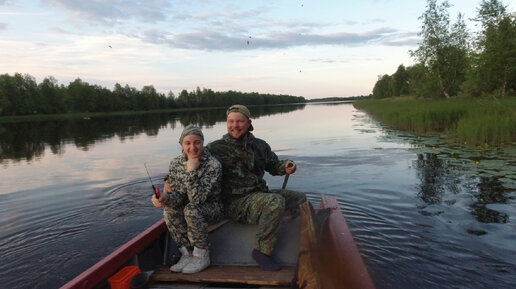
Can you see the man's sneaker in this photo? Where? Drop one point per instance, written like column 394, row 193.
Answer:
column 200, row 261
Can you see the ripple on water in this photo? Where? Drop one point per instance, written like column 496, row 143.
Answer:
column 55, row 234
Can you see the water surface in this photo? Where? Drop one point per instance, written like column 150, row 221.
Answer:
column 424, row 212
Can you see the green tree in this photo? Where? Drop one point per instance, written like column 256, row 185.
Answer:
column 400, row 84
column 182, row 99
column 126, row 96
column 149, row 98
column 20, row 94
column 459, row 55
column 5, row 104
column 197, row 97
column 421, row 82
column 495, row 62
column 444, row 48
column 52, row 98
column 208, row 98
column 81, row 94
column 383, row 87
column 104, row 99
column 171, row 100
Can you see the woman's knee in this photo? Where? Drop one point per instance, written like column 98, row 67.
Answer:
column 191, row 210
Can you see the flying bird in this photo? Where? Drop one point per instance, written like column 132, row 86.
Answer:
column 110, row 46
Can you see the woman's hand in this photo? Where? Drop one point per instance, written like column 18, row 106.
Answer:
column 192, row 164
column 166, row 187
column 159, row 203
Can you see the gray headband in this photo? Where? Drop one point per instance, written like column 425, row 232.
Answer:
column 191, row 129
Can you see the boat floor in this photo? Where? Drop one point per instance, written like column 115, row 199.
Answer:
column 220, row 276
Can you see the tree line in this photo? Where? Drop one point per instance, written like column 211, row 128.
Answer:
column 338, row 98
column 451, row 62
column 22, row 95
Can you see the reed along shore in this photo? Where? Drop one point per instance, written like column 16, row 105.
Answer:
column 475, row 121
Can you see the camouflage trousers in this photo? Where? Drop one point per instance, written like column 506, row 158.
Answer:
column 188, row 225
column 292, row 198
column 266, row 210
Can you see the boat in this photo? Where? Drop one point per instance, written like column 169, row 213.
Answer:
column 315, row 248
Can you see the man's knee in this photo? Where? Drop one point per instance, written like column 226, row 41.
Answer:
column 301, row 198
column 274, row 203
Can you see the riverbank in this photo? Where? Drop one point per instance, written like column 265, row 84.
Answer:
column 487, row 122
column 87, row 115
column 258, row 110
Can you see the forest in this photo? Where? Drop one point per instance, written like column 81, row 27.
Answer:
column 22, row 95
column 450, row 61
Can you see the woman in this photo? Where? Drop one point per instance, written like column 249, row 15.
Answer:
column 192, row 200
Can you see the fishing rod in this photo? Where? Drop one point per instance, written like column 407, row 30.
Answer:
column 156, row 190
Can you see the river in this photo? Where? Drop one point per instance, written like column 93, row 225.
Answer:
column 425, row 213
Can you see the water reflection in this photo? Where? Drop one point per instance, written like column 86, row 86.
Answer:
column 446, row 169
column 28, row 140
column 490, row 191
column 438, row 178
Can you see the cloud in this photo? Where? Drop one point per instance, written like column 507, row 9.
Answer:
column 403, row 39
column 153, row 36
column 229, row 28
column 403, row 42
column 233, row 12
column 223, row 41
column 376, row 20
column 59, row 30
column 328, row 60
column 112, row 11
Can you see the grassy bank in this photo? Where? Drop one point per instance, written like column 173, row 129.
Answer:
column 474, row 121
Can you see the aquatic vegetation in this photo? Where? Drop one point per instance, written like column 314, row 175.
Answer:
column 469, row 121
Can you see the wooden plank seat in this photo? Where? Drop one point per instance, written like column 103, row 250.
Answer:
column 251, row 275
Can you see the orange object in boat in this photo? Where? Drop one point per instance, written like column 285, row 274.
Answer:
column 122, row 279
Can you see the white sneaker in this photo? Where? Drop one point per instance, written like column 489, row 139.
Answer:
column 186, row 258
column 200, row 261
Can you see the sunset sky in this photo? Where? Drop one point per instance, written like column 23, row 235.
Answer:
column 305, row 48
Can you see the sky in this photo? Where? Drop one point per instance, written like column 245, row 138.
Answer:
column 313, row 49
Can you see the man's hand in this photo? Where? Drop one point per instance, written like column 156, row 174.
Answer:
column 159, row 203
column 290, row 167
column 192, row 164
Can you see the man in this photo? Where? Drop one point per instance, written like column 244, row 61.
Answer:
column 192, row 200
column 246, row 197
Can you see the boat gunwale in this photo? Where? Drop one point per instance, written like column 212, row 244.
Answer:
column 109, row 264
column 353, row 270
